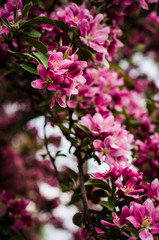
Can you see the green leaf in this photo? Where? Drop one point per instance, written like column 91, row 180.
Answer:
column 66, row 54
column 32, row 33
column 6, row 23
column 60, row 154
column 65, row 188
column 110, row 235
column 73, row 174
column 75, row 198
column 46, row 20
column 43, row 58
column 16, row 17
column 23, row 55
column 26, row 10
column 37, row 44
column 110, row 204
column 99, row 193
column 78, row 219
column 97, row 183
column 83, row 128
column 29, row 67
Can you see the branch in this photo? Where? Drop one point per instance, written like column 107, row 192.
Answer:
column 48, row 152
column 84, row 196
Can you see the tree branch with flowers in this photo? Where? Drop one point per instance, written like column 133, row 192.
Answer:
column 72, row 65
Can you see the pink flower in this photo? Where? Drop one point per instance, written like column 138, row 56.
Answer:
column 113, row 173
column 93, row 34
column 146, row 217
column 131, row 188
column 49, row 79
column 118, row 221
column 57, row 64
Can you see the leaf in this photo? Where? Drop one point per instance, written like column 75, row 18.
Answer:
column 60, row 154
column 16, row 17
column 78, row 219
column 26, row 9
column 44, row 58
column 65, row 188
column 66, row 54
column 75, row 198
column 29, row 67
column 110, row 204
column 37, row 44
column 83, row 128
column 110, row 235
column 23, row 55
column 32, row 33
column 97, row 183
column 99, row 193
column 73, row 174
column 6, row 23
column 46, row 20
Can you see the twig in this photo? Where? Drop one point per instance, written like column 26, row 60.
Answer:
column 84, row 196
column 48, row 152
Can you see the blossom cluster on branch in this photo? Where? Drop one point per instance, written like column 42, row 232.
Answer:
column 72, row 64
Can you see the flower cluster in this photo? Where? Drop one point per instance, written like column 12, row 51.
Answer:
column 63, row 76
column 16, row 211
column 110, row 139
column 147, row 155
column 144, row 218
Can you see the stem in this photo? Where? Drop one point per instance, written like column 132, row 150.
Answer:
column 48, row 152
column 84, row 196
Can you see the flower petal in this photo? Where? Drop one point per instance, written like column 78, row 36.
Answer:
column 145, row 235
column 42, row 71
column 38, row 83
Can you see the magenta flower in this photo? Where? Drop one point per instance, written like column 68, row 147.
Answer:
column 153, row 191
column 118, row 221
column 145, row 217
column 57, row 64
column 131, row 188
column 93, row 34
column 113, row 173
column 49, row 79
column 144, row 4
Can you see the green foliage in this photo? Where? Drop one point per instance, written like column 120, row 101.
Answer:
column 78, row 219
column 29, row 67
column 110, row 204
column 32, row 33
column 46, row 20
column 35, row 43
column 83, row 128
column 43, row 58
column 97, row 183
column 25, row 10
column 24, row 55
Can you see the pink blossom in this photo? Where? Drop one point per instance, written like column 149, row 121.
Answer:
column 93, row 34
column 131, row 188
column 57, row 64
column 49, row 79
column 118, row 221
column 146, row 217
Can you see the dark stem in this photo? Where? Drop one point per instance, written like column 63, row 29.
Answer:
column 84, row 196
column 48, row 152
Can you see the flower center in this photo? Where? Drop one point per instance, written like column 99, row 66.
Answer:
column 147, row 221
column 49, row 81
column 129, row 189
column 74, row 18
column 106, row 150
column 56, row 63
column 88, row 39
